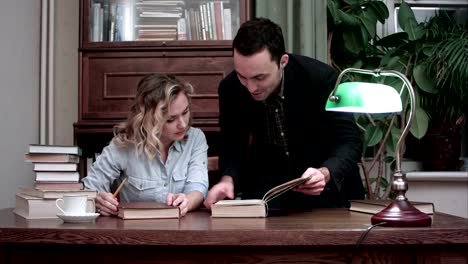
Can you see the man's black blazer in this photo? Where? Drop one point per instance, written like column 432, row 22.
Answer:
column 316, row 138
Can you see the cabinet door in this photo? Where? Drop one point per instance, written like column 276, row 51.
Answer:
column 109, row 80
column 140, row 23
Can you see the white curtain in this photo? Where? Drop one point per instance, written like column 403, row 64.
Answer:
column 304, row 24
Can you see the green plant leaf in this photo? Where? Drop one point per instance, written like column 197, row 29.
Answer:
column 373, row 135
column 428, row 49
column 369, row 24
column 393, row 40
column 352, row 2
column 394, row 63
column 353, row 41
column 420, row 123
column 389, row 159
column 357, row 64
column 348, row 20
column 384, row 183
column 333, row 9
column 392, row 140
column 408, row 22
column 381, row 9
column 423, row 81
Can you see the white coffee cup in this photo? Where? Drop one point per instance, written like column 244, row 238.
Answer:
column 73, row 204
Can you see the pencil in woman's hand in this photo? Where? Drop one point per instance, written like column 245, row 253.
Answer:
column 120, row 187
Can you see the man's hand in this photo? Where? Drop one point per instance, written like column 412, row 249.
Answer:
column 316, row 184
column 223, row 189
column 106, row 204
column 178, row 199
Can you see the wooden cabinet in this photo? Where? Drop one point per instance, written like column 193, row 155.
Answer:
column 123, row 40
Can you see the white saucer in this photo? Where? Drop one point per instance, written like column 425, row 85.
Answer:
column 88, row 217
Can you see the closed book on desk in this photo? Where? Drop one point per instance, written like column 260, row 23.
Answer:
column 51, row 157
column 252, row 207
column 55, row 194
column 49, row 166
column 57, row 176
column 69, row 186
column 31, row 207
column 56, row 149
column 147, row 210
column 375, row 206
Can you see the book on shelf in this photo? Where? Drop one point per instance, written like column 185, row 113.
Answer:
column 71, row 186
column 31, row 207
column 55, row 194
column 51, row 157
column 58, row 149
column 58, row 176
column 253, row 207
column 47, row 166
column 147, row 210
column 375, row 206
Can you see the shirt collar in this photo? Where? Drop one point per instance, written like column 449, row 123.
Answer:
column 279, row 96
column 179, row 145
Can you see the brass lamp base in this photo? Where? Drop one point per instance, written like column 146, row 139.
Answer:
column 401, row 214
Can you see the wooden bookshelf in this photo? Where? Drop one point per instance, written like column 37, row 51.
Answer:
column 110, row 65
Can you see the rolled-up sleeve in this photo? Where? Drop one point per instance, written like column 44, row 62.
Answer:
column 197, row 172
column 105, row 170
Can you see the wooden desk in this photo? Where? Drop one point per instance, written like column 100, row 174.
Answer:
column 319, row 236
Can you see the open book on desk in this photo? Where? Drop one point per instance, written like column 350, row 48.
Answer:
column 253, row 207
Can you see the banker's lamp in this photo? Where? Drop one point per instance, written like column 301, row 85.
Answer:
column 365, row 97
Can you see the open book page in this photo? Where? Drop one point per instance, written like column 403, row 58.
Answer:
column 282, row 188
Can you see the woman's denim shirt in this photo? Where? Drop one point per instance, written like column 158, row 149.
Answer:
column 185, row 170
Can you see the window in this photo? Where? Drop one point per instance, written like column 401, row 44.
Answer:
column 423, row 10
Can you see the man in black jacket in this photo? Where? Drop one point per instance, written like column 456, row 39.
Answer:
column 274, row 126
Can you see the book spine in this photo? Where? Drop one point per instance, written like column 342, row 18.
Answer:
column 95, row 22
column 227, row 23
column 181, row 30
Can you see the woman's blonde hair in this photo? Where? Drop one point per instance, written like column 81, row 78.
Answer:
column 148, row 114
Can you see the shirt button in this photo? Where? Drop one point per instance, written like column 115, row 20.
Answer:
column 287, row 153
column 276, row 110
column 165, row 185
column 282, row 134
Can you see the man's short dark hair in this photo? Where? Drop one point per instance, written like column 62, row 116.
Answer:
column 257, row 34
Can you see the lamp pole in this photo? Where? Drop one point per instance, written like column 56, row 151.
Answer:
column 400, row 212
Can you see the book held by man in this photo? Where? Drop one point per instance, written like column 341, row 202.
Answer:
column 253, row 207
column 147, row 210
column 375, row 206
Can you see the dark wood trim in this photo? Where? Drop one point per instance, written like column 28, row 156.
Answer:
column 306, row 237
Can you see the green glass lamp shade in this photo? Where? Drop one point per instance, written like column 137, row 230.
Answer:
column 362, row 97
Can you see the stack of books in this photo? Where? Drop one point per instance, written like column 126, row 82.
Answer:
column 56, row 175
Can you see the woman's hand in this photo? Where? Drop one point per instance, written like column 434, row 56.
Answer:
column 178, row 199
column 106, row 204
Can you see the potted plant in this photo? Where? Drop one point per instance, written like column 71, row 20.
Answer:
column 448, row 63
column 353, row 43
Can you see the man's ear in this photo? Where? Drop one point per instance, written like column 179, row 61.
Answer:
column 284, row 61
